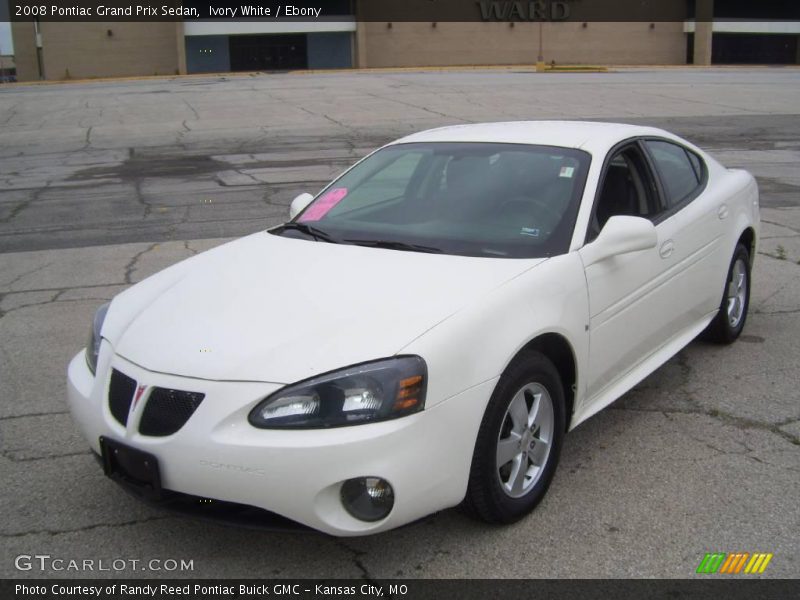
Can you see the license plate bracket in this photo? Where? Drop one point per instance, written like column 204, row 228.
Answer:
column 137, row 470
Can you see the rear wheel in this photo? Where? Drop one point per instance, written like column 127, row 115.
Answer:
column 519, row 441
column 729, row 322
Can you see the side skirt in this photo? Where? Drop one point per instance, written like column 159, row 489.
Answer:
column 638, row 372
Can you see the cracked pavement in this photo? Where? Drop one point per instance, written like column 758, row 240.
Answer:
column 102, row 184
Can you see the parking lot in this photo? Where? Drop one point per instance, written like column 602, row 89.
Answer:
column 103, row 183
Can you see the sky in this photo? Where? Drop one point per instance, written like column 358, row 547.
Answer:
column 6, row 45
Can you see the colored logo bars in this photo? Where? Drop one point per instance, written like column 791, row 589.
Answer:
column 734, row 563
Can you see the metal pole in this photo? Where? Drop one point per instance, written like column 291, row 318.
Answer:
column 540, row 58
column 39, row 62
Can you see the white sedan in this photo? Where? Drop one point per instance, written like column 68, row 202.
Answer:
column 424, row 331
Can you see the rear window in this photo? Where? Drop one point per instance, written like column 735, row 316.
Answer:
column 681, row 171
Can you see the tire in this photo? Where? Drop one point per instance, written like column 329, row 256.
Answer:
column 504, row 493
column 729, row 322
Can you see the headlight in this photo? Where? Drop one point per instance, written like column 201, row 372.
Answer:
column 93, row 348
column 365, row 393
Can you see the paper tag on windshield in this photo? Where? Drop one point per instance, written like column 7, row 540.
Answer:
column 567, row 172
column 324, row 204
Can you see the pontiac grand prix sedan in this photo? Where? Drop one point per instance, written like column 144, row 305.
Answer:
column 423, row 332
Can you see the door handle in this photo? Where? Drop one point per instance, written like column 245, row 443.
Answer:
column 667, row 248
column 722, row 213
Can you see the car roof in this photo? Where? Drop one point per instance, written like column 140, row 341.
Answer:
column 591, row 136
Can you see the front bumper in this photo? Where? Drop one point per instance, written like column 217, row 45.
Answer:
column 298, row 474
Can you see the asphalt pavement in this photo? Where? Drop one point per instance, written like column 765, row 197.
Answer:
column 104, row 183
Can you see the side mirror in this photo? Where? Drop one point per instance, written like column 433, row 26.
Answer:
column 299, row 203
column 620, row 235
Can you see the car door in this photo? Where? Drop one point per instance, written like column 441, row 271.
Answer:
column 632, row 299
column 702, row 215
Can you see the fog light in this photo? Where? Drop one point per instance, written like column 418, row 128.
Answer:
column 367, row 498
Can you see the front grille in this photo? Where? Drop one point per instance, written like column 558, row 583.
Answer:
column 120, row 394
column 167, row 411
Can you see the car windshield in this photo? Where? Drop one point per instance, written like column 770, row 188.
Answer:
column 470, row 199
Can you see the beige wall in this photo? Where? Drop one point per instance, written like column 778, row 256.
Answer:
column 420, row 44
column 78, row 50
column 24, row 51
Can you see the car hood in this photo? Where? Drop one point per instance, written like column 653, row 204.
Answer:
column 274, row 309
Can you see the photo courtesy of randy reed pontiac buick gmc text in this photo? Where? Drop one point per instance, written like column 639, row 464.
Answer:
column 200, row 590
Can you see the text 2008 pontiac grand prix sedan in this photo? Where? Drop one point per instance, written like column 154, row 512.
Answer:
column 423, row 332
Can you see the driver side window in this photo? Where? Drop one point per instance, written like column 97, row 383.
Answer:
column 627, row 189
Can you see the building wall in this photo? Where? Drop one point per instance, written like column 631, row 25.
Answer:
column 326, row 50
column 24, row 51
column 207, row 54
column 330, row 50
column 421, row 44
column 8, row 71
column 754, row 49
column 79, row 50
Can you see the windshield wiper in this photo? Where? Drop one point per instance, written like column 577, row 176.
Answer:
column 317, row 234
column 390, row 245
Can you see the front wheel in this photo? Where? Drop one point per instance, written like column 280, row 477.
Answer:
column 729, row 322
column 519, row 441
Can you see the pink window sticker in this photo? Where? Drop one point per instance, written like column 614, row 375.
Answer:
column 323, row 204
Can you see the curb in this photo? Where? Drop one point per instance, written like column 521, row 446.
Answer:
column 354, row 71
